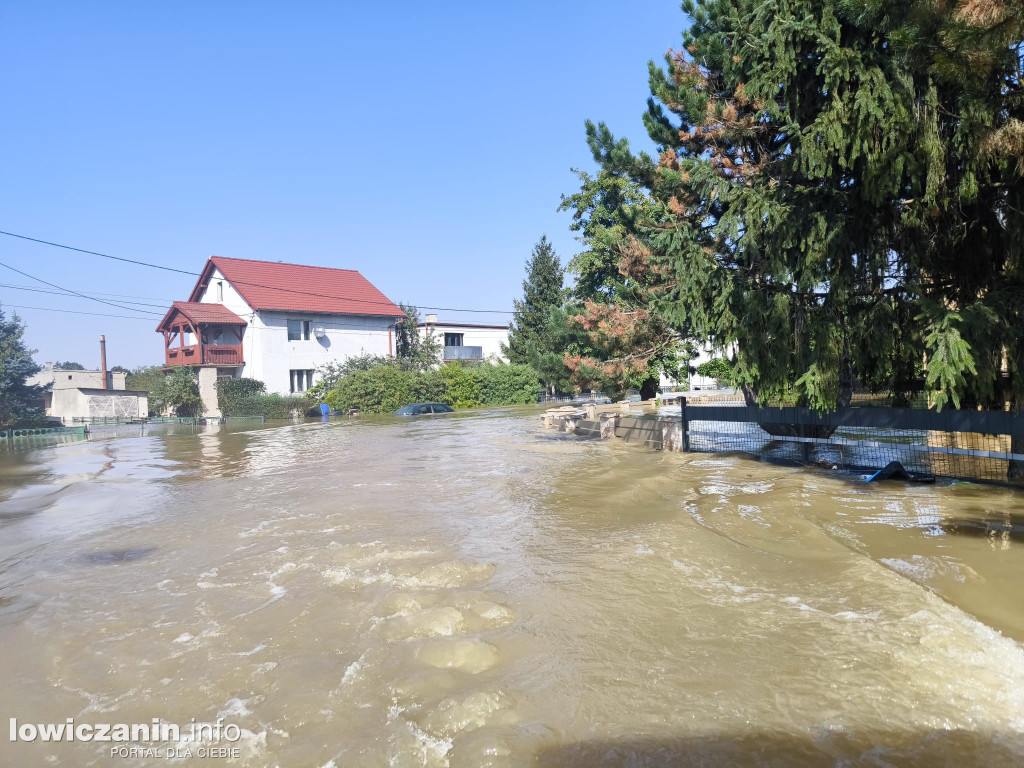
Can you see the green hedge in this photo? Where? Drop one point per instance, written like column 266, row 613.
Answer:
column 271, row 406
column 248, row 397
column 386, row 388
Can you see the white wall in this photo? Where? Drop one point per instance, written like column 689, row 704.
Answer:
column 696, row 381
column 490, row 339
column 346, row 336
column 270, row 357
column 67, row 404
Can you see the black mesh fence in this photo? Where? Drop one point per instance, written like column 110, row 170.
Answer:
column 981, row 445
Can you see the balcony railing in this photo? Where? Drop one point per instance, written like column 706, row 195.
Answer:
column 212, row 354
column 223, row 354
column 463, row 353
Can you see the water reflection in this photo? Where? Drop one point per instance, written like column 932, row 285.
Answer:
column 114, row 556
column 999, row 529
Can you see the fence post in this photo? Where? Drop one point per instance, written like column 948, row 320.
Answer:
column 685, row 426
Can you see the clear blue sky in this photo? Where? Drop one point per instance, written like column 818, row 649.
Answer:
column 424, row 144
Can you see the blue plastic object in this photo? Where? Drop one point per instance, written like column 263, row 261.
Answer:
column 325, row 409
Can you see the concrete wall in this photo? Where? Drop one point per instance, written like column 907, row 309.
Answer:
column 270, row 356
column 60, row 379
column 68, row 404
column 657, row 432
column 490, row 339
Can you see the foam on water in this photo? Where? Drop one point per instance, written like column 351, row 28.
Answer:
column 465, row 655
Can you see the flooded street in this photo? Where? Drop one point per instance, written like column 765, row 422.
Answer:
column 474, row 591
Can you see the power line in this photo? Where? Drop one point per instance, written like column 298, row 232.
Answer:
column 74, row 312
column 76, row 293
column 164, row 302
column 62, row 293
column 246, row 282
column 96, row 253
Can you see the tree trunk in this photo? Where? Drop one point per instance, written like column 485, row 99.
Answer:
column 846, row 378
column 843, row 399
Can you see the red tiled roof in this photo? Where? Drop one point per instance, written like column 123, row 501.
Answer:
column 199, row 312
column 297, row 288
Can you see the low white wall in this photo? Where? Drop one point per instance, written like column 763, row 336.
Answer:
column 68, row 404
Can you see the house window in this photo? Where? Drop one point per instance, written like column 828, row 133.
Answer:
column 301, row 379
column 453, row 339
column 220, row 292
column 298, row 330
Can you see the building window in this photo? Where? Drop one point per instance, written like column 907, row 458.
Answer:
column 220, row 292
column 301, row 380
column 298, row 330
column 453, row 339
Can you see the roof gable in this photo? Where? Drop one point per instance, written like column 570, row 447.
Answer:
column 200, row 312
column 274, row 285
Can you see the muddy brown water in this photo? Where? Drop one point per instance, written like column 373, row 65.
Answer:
column 474, row 591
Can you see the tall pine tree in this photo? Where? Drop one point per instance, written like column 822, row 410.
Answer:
column 821, row 177
column 542, row 292
column 629, row 342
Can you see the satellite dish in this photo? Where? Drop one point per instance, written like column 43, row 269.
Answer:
column 320, row 332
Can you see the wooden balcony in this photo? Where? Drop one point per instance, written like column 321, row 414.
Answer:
column 207, row 354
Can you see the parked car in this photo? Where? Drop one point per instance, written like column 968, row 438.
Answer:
column 422, row 409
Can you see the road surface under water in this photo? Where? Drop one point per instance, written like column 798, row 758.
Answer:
column 472, row 590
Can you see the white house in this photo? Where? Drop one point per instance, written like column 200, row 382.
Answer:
column 466, row 341
column 274, row 322
column 694, row 380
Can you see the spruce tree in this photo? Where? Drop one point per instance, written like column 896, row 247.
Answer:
column 542, row 291
column 822, row 176
column 18, row 400
column 629, row 342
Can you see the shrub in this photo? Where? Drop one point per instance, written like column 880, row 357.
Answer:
column 386, row 388
column 179, row 391
column 460, row 386
column 382, row 389
column 271, row 406
column 428, row 387
column 231, row 391
column 718, row 368
column 505, row 384
column 248, row 397
column 329, row 374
